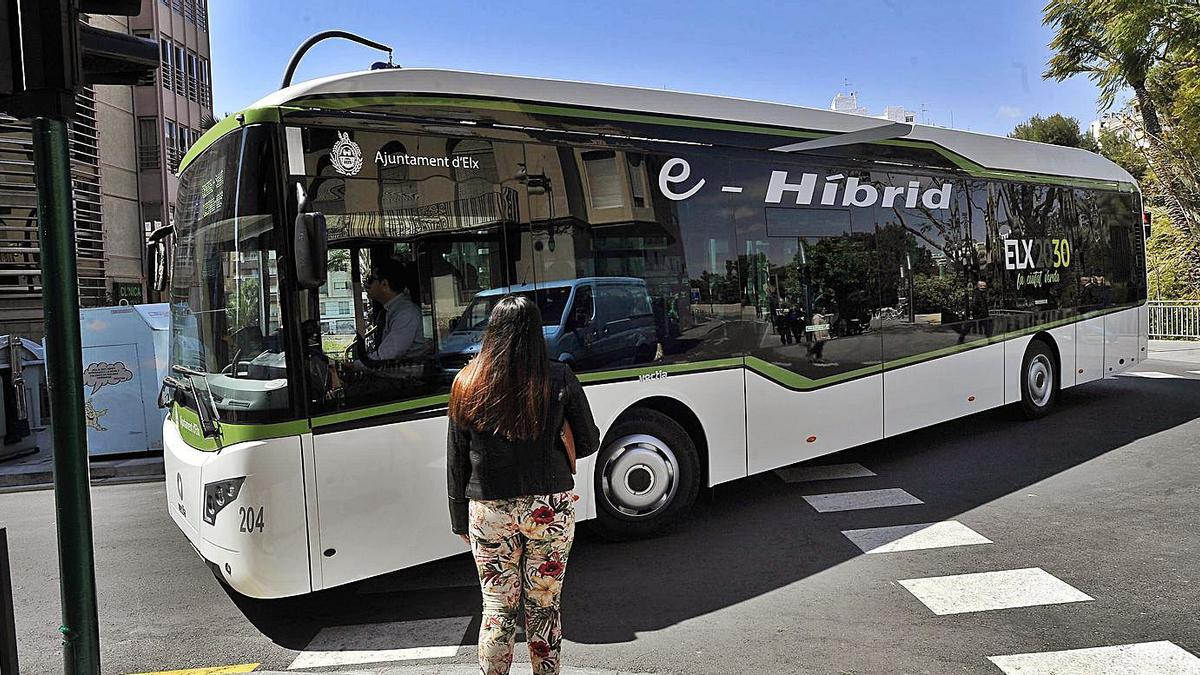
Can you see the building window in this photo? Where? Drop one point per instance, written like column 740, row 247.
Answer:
column 170, row 142
column 180, row 81
column 343, row 307
column 205, row 89
column 148, row 153
column 202, row 14
column 192, row 79
column 603, row 179
column 166, row 54
column 637, row 179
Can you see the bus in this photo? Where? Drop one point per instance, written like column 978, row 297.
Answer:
column 789, row 283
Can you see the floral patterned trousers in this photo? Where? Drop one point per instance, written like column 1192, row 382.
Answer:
column 521, row 546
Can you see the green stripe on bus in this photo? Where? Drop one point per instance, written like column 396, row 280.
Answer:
column 388, row 409
column 187, row 420
column 794, row 380
column 678, row 368
column 226, row 125
column 327, row 102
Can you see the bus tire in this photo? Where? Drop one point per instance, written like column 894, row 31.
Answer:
column 1039, row 380
column 647, row 476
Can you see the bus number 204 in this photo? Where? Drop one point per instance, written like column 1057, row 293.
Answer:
column 251, row 519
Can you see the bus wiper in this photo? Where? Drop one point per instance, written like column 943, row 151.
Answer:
column 210, row 418
column 234, row 364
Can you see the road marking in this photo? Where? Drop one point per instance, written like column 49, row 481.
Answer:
column 384, row 642
column 473, row 669
column 1152, row 374
column 1157, row 658
column 914, row 537
column 216, row 670
column 863, row 499
column 985, row 591
column 804, row 474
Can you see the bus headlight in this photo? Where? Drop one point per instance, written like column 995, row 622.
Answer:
column 218, row 495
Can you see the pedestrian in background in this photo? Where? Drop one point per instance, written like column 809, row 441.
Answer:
column 510, row 480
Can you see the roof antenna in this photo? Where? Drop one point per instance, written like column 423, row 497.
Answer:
column 324, row 35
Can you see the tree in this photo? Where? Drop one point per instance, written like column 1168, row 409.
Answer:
column 1118, row 147
column 1056, row 130
column 1120, row 44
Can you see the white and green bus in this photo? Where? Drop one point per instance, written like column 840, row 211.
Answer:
column 739, row 285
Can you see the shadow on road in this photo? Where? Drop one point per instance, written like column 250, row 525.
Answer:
column 758, row 534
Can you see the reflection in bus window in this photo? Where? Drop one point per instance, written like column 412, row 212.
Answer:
column 415, row 237
column 654, row 280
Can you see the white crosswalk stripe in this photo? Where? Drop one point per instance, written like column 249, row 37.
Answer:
column 1152, row 374
column 914, row 537
column 384, row 642
column 862, row 499
column 1144, row 658
column 805, row 474
column 983, row 591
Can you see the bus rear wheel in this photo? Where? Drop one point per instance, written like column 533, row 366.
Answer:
column 1039, row 380
column 647, row 477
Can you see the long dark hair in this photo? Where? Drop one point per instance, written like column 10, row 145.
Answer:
column 504, row 389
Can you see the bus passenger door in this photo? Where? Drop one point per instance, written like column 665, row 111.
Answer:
column 444, row 233
column 813, row 374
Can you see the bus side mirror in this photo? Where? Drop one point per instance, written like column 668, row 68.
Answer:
column 311, row 250
column 158, row 266
column 159, row 256
column 1146, row 224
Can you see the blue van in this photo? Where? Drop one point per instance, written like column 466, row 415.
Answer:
column 591, row 323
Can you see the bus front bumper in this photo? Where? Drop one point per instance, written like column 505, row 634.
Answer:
column 243, row 510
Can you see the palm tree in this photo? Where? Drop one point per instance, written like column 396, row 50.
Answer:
column 1117, row 43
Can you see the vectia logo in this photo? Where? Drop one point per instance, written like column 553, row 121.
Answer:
column 346, row 155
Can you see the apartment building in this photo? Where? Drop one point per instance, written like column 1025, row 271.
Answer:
column 171, row 115
column 126, row 143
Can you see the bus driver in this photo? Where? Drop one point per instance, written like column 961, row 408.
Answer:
column 400, row 333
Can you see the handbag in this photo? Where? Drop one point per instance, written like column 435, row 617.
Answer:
column 567, row 436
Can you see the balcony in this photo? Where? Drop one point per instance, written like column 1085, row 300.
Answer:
column 174, row 156
column 148, row 157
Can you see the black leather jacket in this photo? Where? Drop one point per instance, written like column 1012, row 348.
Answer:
column 487, row 466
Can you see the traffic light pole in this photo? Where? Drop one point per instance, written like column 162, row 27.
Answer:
column 64, row 376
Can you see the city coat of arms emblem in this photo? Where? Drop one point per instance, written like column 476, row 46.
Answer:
column 346, row 155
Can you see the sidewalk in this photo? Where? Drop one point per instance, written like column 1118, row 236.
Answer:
column 36, row 471
column 1184, row 351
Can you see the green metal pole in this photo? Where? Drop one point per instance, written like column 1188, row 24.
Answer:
column 64, row 377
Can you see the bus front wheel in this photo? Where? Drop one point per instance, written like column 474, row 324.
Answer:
column 647, row 476
column 1039, row 380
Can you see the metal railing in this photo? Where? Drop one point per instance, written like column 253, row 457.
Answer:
column 148, row 156
column 1174, row 319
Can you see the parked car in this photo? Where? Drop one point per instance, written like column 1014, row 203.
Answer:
column 591, row 323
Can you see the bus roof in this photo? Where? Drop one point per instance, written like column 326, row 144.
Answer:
column 980, row 154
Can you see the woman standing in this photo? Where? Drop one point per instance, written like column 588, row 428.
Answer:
column 509, row 479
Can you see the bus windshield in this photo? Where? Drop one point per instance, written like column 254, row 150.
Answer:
column 224, row 289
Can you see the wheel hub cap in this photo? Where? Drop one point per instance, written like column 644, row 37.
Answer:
column 640, row 477
column 1039, row 380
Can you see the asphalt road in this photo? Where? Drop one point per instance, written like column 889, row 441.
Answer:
column 1101, row 495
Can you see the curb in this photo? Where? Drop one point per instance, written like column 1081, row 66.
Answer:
column 101, row 474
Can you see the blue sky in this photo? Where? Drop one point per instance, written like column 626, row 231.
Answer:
column 974, row 63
